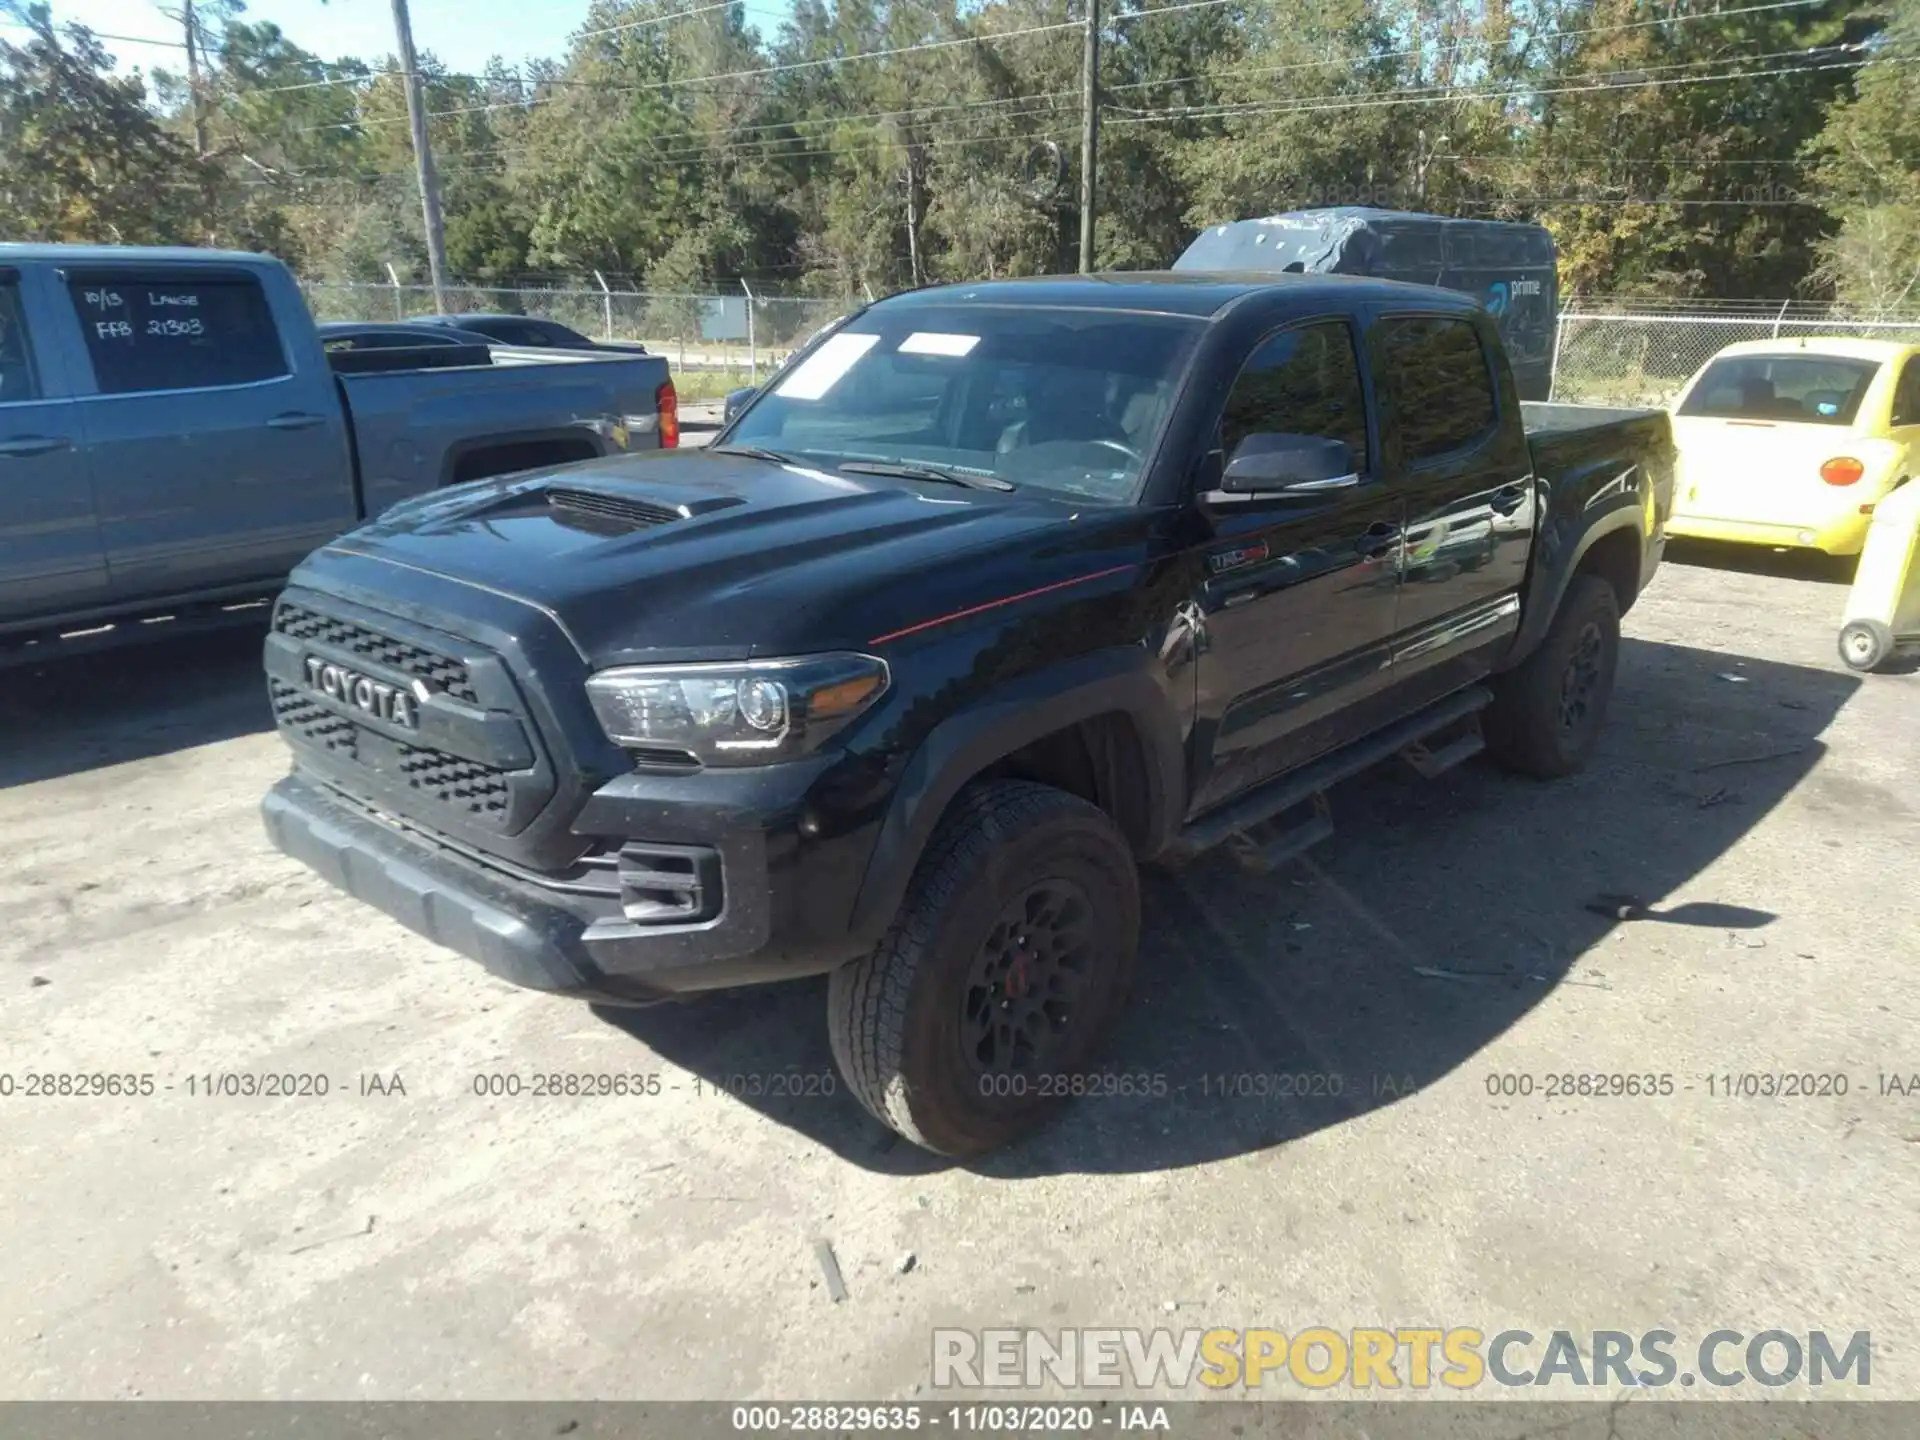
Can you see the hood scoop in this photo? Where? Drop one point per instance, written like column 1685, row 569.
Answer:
column 609, row 512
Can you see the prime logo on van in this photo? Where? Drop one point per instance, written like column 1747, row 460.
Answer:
column 364, row 693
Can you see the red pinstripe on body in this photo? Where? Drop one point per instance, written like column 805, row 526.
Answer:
column 995, row 604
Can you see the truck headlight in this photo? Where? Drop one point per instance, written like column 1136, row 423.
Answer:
column 750, row 712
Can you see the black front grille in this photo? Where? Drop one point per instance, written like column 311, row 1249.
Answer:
column 463, row 784
column 462, row 758
column 297, row 622
column 310, row 721
column 466, row 785
column 618, row 510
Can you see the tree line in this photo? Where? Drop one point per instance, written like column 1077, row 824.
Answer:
column 1685, row 148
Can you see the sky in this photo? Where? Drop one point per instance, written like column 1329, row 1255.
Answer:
column 463, row 34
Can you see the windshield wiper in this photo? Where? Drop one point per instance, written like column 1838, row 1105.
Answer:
column 925, row 472
column 755, row 452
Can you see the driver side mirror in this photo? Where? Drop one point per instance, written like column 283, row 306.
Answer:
column 1286, row 464
column 737, row 401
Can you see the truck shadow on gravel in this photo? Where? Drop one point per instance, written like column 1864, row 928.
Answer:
column 76, row 713
column 1271, row 1006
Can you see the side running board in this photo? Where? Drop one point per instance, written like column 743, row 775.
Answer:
column 1307, row 786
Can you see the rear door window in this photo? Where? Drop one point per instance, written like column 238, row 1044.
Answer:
column 1442, row 389
column 1810, row 389
column 17, row 380
column 148, row 332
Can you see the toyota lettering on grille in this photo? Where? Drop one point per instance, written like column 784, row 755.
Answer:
column 364, row 693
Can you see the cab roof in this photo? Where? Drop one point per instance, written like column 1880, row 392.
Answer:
column 21, row 250
column 1199, row 293
column 1844, row 346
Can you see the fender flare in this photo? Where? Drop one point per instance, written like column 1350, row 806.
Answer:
column 1010, row 716
column 1555, row 568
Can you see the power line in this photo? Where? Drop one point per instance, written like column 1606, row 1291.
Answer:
column 379, row 74
column 1427, row 93
column 370, row 75
column 678, row 147
column 1021, row 107
column 1170, row 9
column 1362, row 102
column 651, row 20
column 103, row 35
column 787, row 67
column 769, row 148
column 702, row 156
column 1357, row 63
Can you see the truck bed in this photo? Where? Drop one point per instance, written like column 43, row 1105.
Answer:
column 1568, row 439
column 412, row 427
column 1547, row 416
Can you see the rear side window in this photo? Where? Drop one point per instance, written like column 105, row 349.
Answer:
column 16, row 359
column 1442, row 388
column 166, row 332
column 1811, row 389
column 1300, row 382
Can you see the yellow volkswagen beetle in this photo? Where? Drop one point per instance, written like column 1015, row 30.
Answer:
column 1793, row 442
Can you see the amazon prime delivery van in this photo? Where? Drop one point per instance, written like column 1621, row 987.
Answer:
column 1508, row 267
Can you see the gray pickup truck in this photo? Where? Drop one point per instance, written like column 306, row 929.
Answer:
column 174, row 438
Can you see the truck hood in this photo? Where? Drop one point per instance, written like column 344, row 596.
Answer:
column 669, row 554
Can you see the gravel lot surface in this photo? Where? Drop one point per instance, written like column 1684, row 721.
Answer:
column 405, row 1237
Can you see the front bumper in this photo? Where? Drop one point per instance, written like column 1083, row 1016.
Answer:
column 781, row 914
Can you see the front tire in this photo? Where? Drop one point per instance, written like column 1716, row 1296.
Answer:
column 1547, row 714
column 1009, row 961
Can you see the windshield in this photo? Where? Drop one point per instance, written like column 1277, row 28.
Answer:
column 1066, row 400
column 1814, row 389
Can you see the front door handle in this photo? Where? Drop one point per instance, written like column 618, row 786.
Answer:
column 1380, row 537
column 296, row 420
column 1507, row 499
column 21, row 446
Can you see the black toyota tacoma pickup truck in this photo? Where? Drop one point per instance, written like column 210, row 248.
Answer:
column 995, row 591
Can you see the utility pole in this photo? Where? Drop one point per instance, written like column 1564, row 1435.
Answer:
column 189, row 19
column 913, row 219
column 193, row 80
column 904, row 133
column 1089, row 131
column 423, row 157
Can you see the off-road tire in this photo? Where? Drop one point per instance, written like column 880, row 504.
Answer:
column 895, row 1018
column 1528, row 727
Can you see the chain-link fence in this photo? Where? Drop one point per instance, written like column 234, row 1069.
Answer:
column 1643, row 359
column 1620, row 352
column 737, row 337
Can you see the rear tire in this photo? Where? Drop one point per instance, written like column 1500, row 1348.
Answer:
column 1008, row 963
column 1865, row 645
column 1546, row 715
